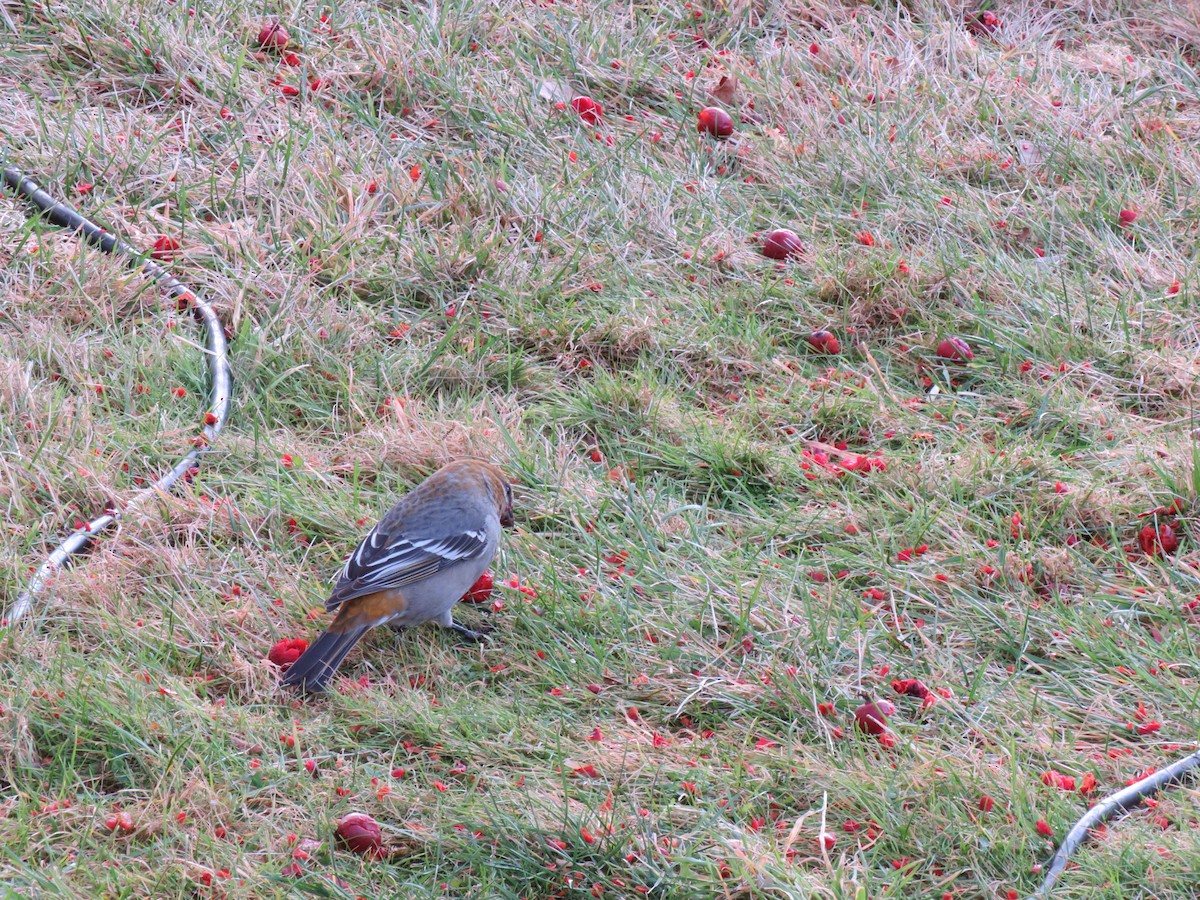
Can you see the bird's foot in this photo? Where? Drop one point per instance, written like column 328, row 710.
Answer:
column 468, row 634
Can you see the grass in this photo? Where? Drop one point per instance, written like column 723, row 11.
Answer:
column 420, row 257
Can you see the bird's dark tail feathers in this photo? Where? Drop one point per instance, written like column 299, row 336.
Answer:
column 316, row 665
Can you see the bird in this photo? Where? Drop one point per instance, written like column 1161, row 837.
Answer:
column 414, row 565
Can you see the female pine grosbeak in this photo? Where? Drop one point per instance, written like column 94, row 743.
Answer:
column 414, row 565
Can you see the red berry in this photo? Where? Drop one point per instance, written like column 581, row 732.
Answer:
column 911, row 687
column 983, row 23
column 955, row 349
column 1158, row 542
column 1126, row 218
column 782, row 243
column 164, row 247
column 871, row 717
column 824, row 341
column 273, row 36
column 589, row 110
column 287, row 652
column 360, row 833
column 986, row 803
column 481, row 590
column 714, row 121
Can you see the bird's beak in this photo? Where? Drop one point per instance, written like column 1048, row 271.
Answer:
column 506, row 517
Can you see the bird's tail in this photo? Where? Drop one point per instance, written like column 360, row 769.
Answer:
column 316, row 665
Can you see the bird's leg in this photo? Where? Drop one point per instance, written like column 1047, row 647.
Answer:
column 447, row 621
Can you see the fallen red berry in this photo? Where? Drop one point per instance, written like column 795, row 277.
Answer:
column 123, row 821
column 782, row 243
column 360, row 833
column 1156, row 542
column 589, row 110
column 1058, row 780
column 273, row 36
column 164, row 248
column 1126, row 218
column 824, row 341
column 982, row 23
column 955, row 349
column 481, row 590
column 714, row 121
column 287, row 651
column 910, row 687
column 871, row 717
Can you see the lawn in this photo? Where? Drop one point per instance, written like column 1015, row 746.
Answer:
column 728, row 536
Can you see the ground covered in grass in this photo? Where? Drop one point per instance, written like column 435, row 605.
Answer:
column 727, row 536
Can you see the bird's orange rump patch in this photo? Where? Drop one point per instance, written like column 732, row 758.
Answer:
column 369, row 610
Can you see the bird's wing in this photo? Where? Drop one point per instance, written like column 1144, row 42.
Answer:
column 391, row 560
